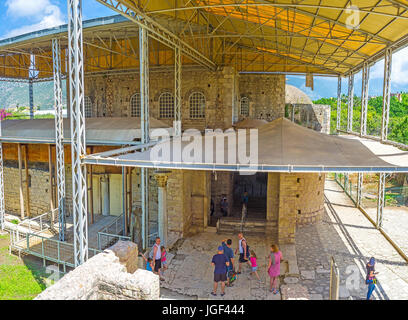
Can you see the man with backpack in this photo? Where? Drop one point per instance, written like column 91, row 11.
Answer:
column 229, row 253
column 243, row 252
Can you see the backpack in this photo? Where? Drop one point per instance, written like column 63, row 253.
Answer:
column 232, row 276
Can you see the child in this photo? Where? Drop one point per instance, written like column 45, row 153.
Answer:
column 148, row 262
column 254, row 265
column 163, row 259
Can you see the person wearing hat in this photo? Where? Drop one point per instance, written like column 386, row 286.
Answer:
column 371, row 280
column 220, row 263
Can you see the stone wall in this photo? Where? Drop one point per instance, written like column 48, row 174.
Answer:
column 313, row 116
column 110, row 95
column 39, row 188
column 110, row 275
column 266, row 94
column 294, row 200
column 188, row 203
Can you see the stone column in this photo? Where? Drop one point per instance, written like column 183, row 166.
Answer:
column 161, row 179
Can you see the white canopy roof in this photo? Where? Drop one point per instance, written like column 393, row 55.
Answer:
column 283, row 146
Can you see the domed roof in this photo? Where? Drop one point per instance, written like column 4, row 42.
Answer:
column 294, row 95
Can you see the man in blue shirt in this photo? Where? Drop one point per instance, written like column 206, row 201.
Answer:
column 229, row 253
column 220, row 264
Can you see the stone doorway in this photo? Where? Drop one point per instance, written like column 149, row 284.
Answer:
column 256, row 185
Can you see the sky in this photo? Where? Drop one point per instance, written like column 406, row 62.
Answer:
column 23, row 16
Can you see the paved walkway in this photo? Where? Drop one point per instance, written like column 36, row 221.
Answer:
column 347, row 235
column 190, row 272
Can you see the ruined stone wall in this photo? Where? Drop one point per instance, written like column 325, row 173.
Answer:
column 110, row 275
column 301, row 201
column 39, row 188
column 266, row 94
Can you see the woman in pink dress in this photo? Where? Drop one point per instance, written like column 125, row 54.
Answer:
column 275, row 259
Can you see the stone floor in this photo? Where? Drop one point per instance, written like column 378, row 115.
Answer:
column 344, row 233
column 190, row 273
column 347, row 235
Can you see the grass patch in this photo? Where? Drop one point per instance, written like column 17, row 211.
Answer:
column 19, row 283
column 19, row 280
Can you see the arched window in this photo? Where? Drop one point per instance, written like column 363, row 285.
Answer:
column 166, row 105
column 88, row 107
column 197, row 105
column 135, row 105
column 244, row 106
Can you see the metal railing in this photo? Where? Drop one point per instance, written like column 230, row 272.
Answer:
column 115, row 227
column 53, row 250
column 105, row 240
column 334, row 280
column 36, row 225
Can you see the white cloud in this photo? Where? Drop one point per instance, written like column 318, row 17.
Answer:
column 43, row 13
column 24, row 8
column 399, row 68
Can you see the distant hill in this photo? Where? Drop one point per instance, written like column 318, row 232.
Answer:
column 14, row 94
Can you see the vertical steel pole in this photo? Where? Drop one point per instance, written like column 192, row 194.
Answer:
column 59, row 136
column 381, row 199
column 364, row 99
column 177, row 92
column 350, row 104
column 386, row 94
column 31, row 98
column 359, row 188
column 2, row 207
column 78, row 144
column 31, row 76
column 338, row 103
column 145, row 137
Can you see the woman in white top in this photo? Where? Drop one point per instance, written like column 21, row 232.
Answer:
column 157, row 257
column 243, row 252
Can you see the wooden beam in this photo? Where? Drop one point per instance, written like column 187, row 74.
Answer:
column 91, row 206
column 27, row 180
column 20, row 173
column 50, row 182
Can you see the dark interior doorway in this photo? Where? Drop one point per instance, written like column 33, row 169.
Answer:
column 256, row 186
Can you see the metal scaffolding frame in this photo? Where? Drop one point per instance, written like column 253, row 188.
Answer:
column 386, row 94
column 338, row 103
column 381, row 199
column 158, row 32
column 31, row 98
column 59, row 136
column 2, row 206
column 145, row 132
column 177, row 92
column 364, row 98
column 78, row 145
column 359, row 188
column 350, row 103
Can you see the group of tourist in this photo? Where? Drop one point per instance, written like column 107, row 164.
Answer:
column 224, row 264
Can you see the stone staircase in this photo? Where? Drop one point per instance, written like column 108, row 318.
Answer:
column 232, row 225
